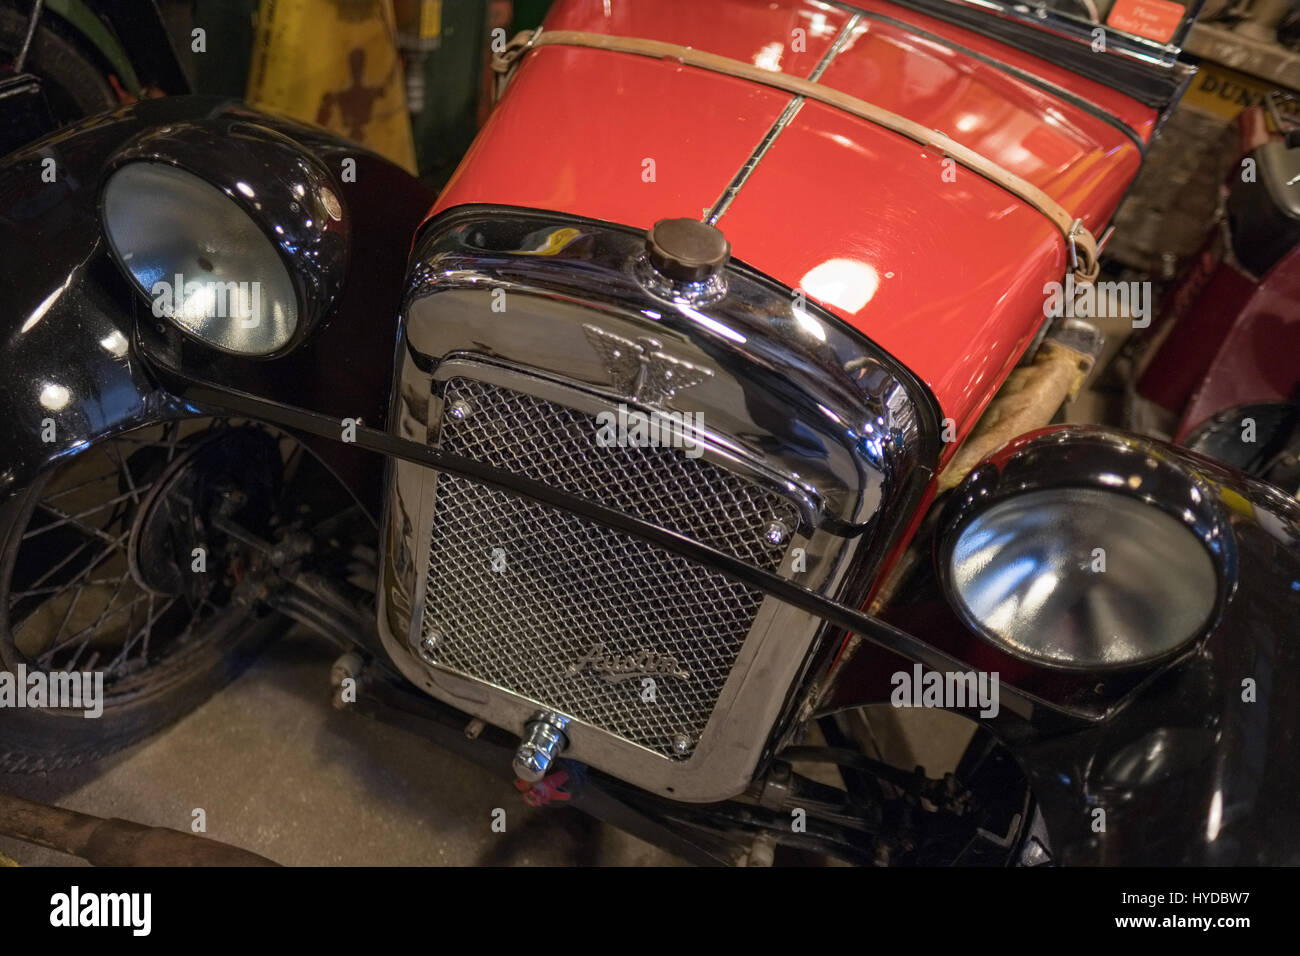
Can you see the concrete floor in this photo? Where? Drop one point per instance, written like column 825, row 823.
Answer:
column 279, row 772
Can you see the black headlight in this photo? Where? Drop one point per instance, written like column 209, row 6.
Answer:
column 229, row 230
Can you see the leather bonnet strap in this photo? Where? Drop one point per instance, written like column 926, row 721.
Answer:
column 1080, row 243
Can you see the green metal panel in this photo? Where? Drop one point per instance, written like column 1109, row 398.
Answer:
column 82, row 19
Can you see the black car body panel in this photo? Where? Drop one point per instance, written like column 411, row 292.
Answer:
column 73, row 315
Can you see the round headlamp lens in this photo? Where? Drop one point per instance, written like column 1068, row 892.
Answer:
column 200, row 260
column 1082, row 577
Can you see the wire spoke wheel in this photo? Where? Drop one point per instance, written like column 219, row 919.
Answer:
column 73, row 602
column 109, row 568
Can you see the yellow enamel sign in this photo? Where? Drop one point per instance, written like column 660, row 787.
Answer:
column 1225, row 93
column 334, row 63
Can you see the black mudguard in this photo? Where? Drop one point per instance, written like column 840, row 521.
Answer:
column 70, row 369
column 1190, row 764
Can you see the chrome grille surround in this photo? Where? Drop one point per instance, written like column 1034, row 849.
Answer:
column 797, row 413
column 535, row 601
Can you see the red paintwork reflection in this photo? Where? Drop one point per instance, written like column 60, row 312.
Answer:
column 758, row 33
column 958, row 267
column 1029, row 131
column 576, row 127
column 946, row 276
column 950, row 273
column 1141, row 119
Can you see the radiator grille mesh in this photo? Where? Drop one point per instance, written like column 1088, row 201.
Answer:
column 540, row 602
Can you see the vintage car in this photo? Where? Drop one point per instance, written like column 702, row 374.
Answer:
column 705, row 413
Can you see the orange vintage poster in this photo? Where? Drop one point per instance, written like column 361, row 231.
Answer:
column 1152, row 19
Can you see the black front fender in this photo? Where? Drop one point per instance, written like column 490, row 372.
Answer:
column 1189, row 762
column 69, row 364
column 1199, row 766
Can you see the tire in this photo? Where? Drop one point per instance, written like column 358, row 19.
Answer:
column 74, row 83
column 41, row 741
column 153, row 693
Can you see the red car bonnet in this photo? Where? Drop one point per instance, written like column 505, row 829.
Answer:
column 942, row 268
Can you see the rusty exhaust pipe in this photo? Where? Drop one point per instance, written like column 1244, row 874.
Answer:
column 113, row 842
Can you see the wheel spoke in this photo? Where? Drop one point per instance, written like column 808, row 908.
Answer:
column 148, row 626
column 175, row 429
column 80, row 605
column 116, row 500
column 56, row 645
column 86, row 632
column 130, row 642
column 84, row 484
column 198, row 609
column 67, row 614
column 117, row 544
column 59, row 567
column 124, row 469
column 65, row 519
column 55, row 588
column 77, row 579
column 151, row 618
column 75, row 520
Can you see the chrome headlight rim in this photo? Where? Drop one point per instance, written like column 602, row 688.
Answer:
column 1073, row 457
column 293, row 200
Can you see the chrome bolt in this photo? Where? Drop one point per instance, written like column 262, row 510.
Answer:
column 682, row 743
column 777, row 533
column 429, row 646
column 460, row 410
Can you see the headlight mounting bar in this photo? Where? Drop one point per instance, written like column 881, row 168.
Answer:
column 1016, row 704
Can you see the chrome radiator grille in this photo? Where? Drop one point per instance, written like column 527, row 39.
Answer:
column 568, row 614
